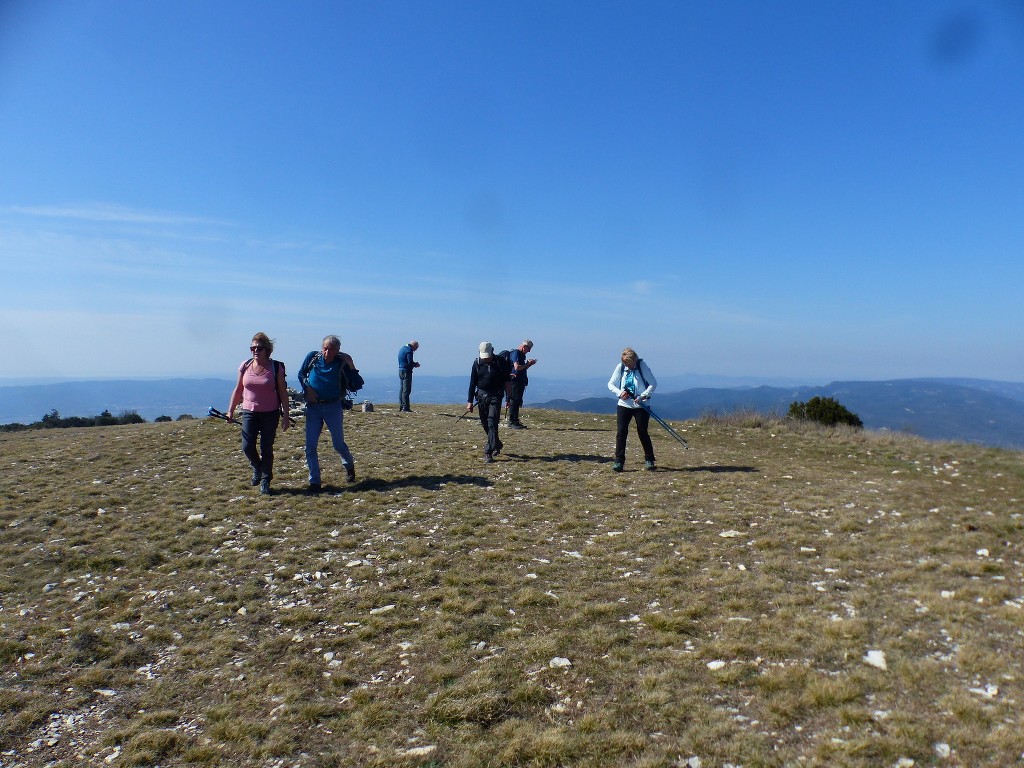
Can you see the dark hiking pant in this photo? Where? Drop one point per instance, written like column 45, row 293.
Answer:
column 264, row 425
column 643, row 418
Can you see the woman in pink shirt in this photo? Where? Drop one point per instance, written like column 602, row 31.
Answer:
column 263, row 394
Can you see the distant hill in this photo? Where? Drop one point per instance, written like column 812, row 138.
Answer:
column 966, row 410
column 969, row 410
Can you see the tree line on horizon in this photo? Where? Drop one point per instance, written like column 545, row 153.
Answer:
column 53, row 420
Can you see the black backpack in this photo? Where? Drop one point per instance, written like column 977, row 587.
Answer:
column 505, row 356
column 486, row 373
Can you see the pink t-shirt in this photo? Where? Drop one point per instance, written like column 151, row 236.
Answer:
column 259, row 390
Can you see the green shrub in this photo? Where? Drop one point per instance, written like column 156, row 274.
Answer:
column 824, row 410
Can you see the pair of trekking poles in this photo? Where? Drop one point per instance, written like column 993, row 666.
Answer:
column 222, row 416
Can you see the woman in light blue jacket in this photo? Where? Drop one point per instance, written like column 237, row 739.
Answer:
column 632, row 383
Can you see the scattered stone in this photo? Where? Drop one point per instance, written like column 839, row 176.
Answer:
column 715, row 665
column 876, row 659
column 986, row 692
column 382, row 609
column 559, row 663
column 942, row 749
column 417, row 751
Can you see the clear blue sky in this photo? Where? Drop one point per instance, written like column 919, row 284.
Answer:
column 806, row 190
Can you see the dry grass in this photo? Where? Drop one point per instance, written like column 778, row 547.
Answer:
column 155, row 611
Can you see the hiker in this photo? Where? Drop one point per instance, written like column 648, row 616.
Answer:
column 322, row 377
column 489, row 381
column 263, row 394
column 405, row 367
column 632, row 382
column 520, row 380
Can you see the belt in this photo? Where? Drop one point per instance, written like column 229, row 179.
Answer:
column 326, row 402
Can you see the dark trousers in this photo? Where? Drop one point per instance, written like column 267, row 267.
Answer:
column 264, row 425
column 489, row 408
column 643, row 418
column 404, row 389
column 518, row 388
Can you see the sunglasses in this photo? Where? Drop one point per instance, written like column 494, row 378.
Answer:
column 257, row 348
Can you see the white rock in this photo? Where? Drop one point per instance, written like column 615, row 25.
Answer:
column 947, row 594
column 988, row 692
column 905, row 762
column 199, row 516
column 717, row 664
column 982, row 553
column 382, row 609
column 942, row 749
column 875, row 659
column 730, row 534
column 559, row 662
column 417, row 751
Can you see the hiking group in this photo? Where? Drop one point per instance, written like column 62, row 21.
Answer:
column 327, row 375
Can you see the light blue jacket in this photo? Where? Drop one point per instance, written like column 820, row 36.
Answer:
column 643, row 378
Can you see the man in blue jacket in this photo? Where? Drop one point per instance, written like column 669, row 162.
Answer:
column 405, row 368
column 322, row 376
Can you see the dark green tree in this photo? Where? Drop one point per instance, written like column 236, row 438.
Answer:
column 824, row 410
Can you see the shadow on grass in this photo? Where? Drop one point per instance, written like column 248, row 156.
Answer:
column 427, row 482
column 716, row 469
column 562, row 457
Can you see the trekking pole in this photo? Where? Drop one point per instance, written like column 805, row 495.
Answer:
column 220, row 415
column 666, row 425
column 464, row 414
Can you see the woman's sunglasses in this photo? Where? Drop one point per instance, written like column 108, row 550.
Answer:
column 257, row 348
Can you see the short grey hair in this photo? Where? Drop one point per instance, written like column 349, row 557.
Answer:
column 334, row 341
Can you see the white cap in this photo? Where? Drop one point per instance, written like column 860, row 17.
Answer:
column 486, row 350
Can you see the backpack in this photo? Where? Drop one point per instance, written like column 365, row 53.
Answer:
column 486, row 373
column 505, row 356
column 248, row 362
column 353, row 381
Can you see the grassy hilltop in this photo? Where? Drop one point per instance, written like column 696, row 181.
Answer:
column 778, row 595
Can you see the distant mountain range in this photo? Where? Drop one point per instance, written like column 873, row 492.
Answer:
column 968, row 410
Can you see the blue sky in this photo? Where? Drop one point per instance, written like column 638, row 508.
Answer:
column 797, row 190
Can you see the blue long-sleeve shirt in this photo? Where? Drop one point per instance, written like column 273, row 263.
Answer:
column 405, row 361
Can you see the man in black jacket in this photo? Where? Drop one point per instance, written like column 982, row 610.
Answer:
column 489, row 382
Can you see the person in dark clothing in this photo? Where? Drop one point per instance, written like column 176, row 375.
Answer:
column 405, row 368
column 520, row 380
column 489, row 383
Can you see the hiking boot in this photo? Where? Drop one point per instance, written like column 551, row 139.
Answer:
column 617, row 466
column 256, row 477
column 350, row 473
column 488, row 459
column 649, row 466
column 516, row 425
column 314, row 489
column 498, row 449
column 265, row 486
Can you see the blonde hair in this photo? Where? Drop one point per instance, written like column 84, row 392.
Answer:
column 262, row 339
column 630, row 357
